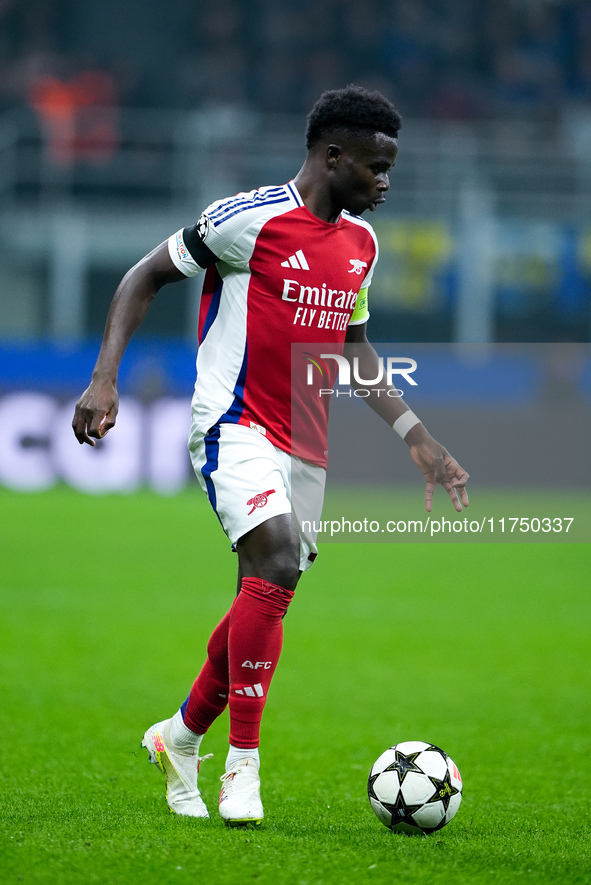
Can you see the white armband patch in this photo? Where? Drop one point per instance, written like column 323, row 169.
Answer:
column 181, row 257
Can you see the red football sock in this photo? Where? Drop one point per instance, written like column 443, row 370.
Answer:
column 209, row 694
column 255, row 638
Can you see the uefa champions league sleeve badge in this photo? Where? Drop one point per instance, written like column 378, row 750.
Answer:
column 203, row 226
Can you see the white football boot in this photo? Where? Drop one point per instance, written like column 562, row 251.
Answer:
column 180, row 767
column 240, row 796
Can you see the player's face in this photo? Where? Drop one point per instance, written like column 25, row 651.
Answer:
column 360, row 172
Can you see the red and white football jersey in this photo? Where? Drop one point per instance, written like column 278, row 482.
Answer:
column 283, row 277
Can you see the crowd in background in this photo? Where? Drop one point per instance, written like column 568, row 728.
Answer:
column 456, row 59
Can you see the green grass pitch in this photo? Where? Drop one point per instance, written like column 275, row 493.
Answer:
column 106, row 605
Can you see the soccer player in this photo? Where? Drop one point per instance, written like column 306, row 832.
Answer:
column 284, row 265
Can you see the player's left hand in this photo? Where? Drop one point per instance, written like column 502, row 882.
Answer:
column 439, row 468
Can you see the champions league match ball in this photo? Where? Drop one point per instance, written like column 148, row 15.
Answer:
column 414, row 788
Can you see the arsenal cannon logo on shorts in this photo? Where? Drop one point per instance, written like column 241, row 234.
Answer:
column 259, row 500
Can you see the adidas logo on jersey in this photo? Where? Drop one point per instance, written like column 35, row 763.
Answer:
column 251, row 691
column 297, row 261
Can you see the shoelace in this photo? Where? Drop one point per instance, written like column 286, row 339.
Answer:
column 200, row 759
column 230, row 775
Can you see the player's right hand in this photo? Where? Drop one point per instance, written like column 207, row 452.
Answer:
column 95, row 413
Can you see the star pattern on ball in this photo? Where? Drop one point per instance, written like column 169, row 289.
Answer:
column 403, row 764
column 401, row 812
column 444, row 790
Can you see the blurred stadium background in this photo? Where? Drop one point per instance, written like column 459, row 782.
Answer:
column 120, row 122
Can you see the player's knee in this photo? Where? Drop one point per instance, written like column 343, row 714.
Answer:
column 271, row 552
column 283, row 569
column 277, row 565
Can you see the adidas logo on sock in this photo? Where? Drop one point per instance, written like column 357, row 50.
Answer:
column 298, row 261
column 251, row 691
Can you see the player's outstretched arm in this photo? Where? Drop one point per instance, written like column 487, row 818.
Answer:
column 433, row 460
column 96, row 410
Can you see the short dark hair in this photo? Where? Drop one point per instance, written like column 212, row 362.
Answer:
column 352, row 110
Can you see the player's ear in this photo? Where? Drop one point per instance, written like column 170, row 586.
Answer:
column 333, row 154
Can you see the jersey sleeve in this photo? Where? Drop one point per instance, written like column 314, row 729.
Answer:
column 361, row 311
column 181, row 256
column 230, row 227
column 369, row 276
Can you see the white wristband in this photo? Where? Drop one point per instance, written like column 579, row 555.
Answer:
column 403, row 424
